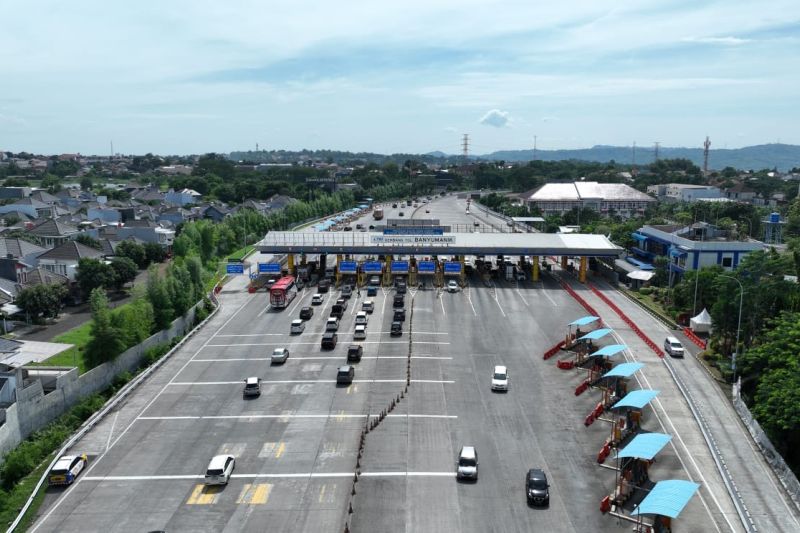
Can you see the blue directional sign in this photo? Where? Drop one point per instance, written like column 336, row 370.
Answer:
column 451, row 268
column 234, row 268
column 373, row 267
column 414, row 230
column 426, row 267
column 348, row 267
column 399, row 267
column 269, row 268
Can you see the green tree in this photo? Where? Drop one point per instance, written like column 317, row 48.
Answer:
column 88, row 240
column 93, row 273
column 159, row 297
column 154, row 252
column 41, row 301
column 133, row 251
column 86, row 183
column 135, row 321
column 106, row 341
column 124, row 271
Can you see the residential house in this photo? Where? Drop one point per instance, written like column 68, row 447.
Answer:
column 151, row 194
column 45, row 197
column 14, row 193
column 215, row 212
column 64, row 259
column 182, row 197
column 103, row 214
column 144, row 230
column 740, row 192
column 17, row 256
column 30, row 206
column 175, row 215
column 51, row 233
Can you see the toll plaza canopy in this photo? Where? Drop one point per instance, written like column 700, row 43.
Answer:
column 596, row 334
column 668, row 498
column 645, row 446
column 535, row 244
column 636, row 399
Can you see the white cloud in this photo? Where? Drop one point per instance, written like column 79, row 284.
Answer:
column 729, row 41
column 496, row 118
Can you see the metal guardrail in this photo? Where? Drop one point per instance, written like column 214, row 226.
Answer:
column 109, row 406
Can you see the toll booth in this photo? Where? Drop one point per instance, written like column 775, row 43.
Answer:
column 614, row 385
column 398, row 268
column 426, row 272
column 633, row 464
column 371, row 268
column 627, row 416
column 664, row 503
column 347, row 272
column 580, row 348
column 578, row 328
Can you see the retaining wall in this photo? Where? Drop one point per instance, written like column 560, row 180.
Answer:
column 33, row 409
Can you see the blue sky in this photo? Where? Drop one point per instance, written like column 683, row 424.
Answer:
column 180, row 76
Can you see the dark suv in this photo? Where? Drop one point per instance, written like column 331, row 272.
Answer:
column 306, row 313
column 399, row 315
column 354, row 352
column 399, row 301
column 329, row 340
column 397, row 329
column 324, row 285
column 537, row 489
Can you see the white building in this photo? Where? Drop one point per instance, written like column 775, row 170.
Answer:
column 680, row 192
column 605, row 198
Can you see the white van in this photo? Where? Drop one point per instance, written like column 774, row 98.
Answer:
column 673, row 347
column 332, row 324
column 361, row 318
column 298, row 326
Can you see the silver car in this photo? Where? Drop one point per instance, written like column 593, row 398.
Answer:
column 280, row 355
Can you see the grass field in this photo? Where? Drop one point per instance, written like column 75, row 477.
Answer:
column 74, row 356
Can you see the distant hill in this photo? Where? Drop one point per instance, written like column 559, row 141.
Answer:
column 781, row 156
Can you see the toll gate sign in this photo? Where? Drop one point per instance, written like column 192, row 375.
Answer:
column 348, row 267
column 426, row 267
column 399, row 267
column 269, row 268
column 452, row 269
column 373, row 267
column 234, row 268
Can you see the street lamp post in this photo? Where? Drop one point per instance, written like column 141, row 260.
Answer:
column 738, row 325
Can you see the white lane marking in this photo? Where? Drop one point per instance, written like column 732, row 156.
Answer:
column 298, row 299
column 316, row 343
column 267, row 308
column 130, row 425
column 469, row 298
column 441, row 302
column 547, row 295
column 271, row 476
column 321, row 357
column 111, row 432
column 497, row 301
column 524, row 300
column 313, row 416
column 255, row 335
column 265, row 381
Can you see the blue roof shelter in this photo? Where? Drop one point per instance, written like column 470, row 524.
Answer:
column 636, row 399
column 609, row 351
column 584, row 321
column 596, row 334
column 668, row 498
column 645, row 446
column 625, row 370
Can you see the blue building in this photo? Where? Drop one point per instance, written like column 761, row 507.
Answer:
column 689, row 247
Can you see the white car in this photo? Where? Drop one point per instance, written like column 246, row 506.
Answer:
column 361, row 318
column 219, row 470
column 360, row 332
column 368, row 306
column 280, row 355
column 332, row 324
column 67, row 469
column 317, row 299
column 452, row 286
column 500, row 378
column 298, row 327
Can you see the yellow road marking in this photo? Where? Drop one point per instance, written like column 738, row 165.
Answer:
column 352, row 388
column 281, row 449
column 339, row 417
column 321, row 493
column 255, row 494
column 204, row 495
column 267, row 449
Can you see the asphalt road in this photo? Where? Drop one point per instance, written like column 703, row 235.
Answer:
column 297, row 444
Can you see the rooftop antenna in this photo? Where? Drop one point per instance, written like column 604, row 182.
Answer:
column 706, row 147
column 112, row 149
column 534, row 147
column 657, row 144
column 256, row 147
column 465, row 147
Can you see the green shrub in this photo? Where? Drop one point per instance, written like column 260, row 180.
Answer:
column 646, row 290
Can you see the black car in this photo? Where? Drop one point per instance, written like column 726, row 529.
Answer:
column 399, row 301
column 354, row 352
column 337, row 310
column 401, row 287
column 397, row 329
column 537, row 489
column 394, row 206
column 306, row 312
column 329, row 340
column 324, row 285
column 345, row 375
column 399, row 315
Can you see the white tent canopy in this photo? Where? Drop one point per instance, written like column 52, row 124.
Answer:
column 641, row 275
column 701, row 323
